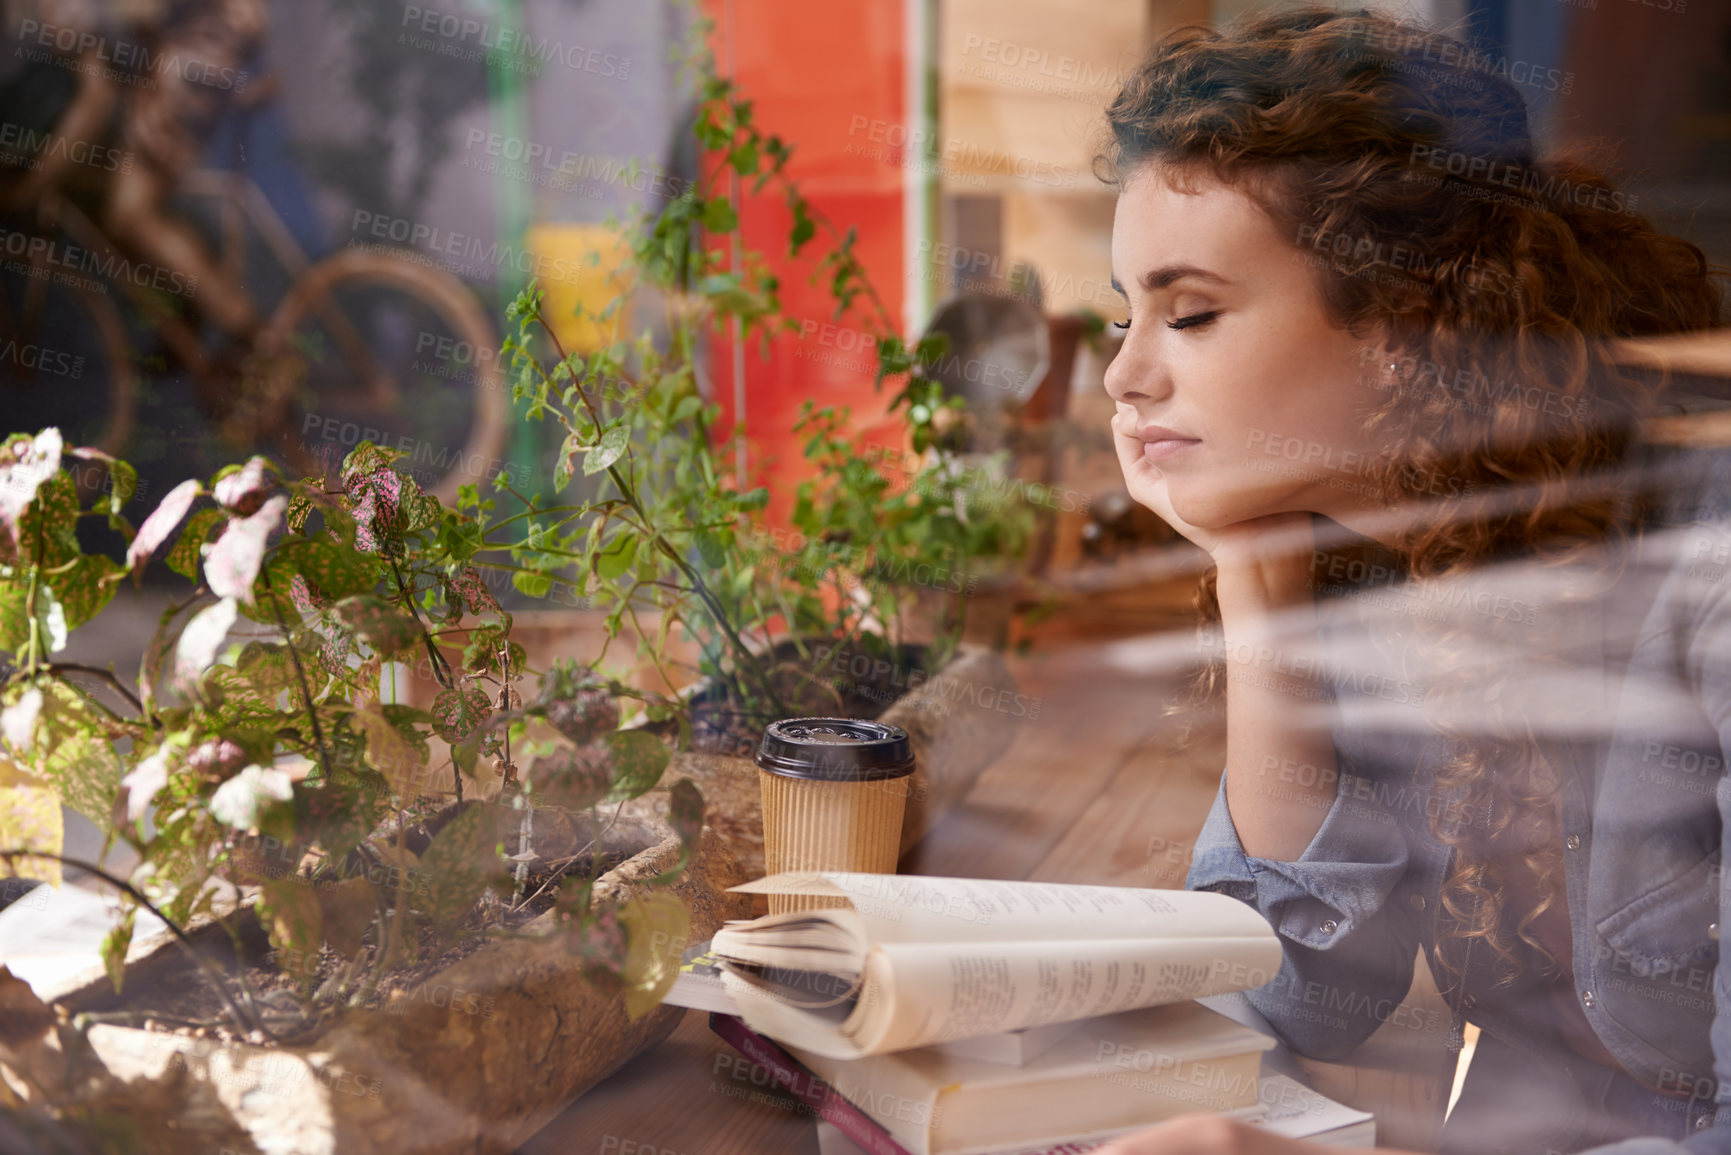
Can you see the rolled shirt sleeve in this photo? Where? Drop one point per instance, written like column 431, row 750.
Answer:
column 1347, row 945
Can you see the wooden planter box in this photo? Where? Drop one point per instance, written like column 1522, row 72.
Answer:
column 494, row 1046
column 486, row 1054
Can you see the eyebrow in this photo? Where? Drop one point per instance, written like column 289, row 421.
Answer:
column 1164, row 276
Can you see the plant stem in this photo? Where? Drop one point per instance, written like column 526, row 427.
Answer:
column 215, row 977
column 578, row 509
column 742, row 653
column 441, row 669
column 300, row 675
column 106, row 675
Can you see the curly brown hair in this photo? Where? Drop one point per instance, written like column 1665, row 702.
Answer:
column 1400, row 162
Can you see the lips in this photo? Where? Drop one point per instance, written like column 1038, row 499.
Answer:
column 1159, row 442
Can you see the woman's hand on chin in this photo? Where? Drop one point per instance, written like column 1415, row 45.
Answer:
column 1246, row 545
column 1213, row 1135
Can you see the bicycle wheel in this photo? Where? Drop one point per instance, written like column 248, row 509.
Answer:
column 64, row 359
column 373, row 346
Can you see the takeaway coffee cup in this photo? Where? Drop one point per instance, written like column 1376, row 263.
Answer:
column 833, row 794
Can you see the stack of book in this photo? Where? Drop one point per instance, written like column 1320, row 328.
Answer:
column 932, row 1016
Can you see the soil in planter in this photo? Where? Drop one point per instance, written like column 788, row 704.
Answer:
column 167, row 992
column 848, row 682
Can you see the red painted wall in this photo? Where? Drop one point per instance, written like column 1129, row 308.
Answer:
column 819, row 76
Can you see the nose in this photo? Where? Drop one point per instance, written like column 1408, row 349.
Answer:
column 1134, row 376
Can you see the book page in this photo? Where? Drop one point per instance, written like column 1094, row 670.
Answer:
column 932, row 994
column 918, row 994
column 903, row 908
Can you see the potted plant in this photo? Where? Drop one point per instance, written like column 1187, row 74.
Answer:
column 856, row 607
column 328, row 888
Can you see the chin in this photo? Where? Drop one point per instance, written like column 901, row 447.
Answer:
column 1220, row 504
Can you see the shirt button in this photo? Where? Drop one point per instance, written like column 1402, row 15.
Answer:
column 1573, row 842
column 1329, row 926
column 1417, row 902
column 1587, row 999
column 1469, row 1002
column 1713, row 930
column 1704, row 1122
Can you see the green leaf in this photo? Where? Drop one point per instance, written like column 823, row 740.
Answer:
column 72, row 751
column 685, row 812
column 709, row 548
column 267, row 668
column 330, row 571
column 459, row 711
column 389, row 752
column 184, row 558
column 685, row 409
column 115, row 945
column 50, row 620
column 657, row 926
column 533, row 585
column 685, row 816
column 340, row 815
column 82, row 590
column 482, row 652
column 461, row 862
column 122, row 484
column 718, row 215
column 458, row 539
column 804, row 228
column 743, row 158
column 381, row 625
column 639, row 759
column 30, row 819
column 570, row 779
column 367, row 458
column 615, row 558
column 14, row 621
column 51, row 523
column 610, row 449
column 289, row 909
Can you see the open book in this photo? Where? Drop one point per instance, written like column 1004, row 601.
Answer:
column 911, row 961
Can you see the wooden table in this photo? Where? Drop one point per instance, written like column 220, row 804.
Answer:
column 1099, row 789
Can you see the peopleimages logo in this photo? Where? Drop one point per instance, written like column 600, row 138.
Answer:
column 480, row 37
column 139, row 63
column 37, row 145
column 470, row 247
column 571, row 166
column 109, row 265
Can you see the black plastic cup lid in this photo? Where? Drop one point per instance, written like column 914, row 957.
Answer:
column 835, row 750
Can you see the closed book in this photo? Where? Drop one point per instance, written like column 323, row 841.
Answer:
column 1291, row 1109
column 1009, row 1048
column 1112, row 1074
column 861, row 1129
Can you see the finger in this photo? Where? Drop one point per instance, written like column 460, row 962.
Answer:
column 1127, row 444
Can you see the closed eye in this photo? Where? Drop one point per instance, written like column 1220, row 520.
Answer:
column 1193, row 320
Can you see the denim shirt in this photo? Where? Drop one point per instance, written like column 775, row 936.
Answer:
column 1637, row 719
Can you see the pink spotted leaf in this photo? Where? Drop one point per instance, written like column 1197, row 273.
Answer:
column 234, row 559
column 161, row 522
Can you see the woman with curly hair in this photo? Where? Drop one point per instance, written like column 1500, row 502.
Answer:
column 1473, row 627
